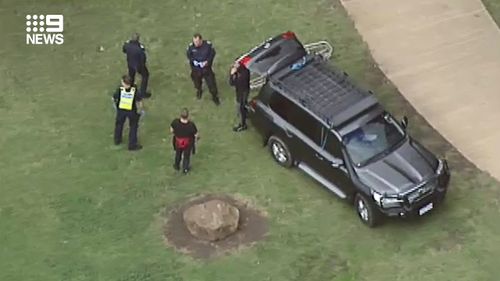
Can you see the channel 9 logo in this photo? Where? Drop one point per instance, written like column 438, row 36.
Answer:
column 44, row 29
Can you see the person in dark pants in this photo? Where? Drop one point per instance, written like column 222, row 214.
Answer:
column 136, row 61
column 185, row 135
column 128, row 101
column 239, row 78
column 201, row 54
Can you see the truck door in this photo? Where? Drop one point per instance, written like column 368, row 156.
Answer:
column 300, row 129
column 326, row 159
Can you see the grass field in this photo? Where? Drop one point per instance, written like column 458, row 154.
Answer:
column 493, row 6
column 74, row 207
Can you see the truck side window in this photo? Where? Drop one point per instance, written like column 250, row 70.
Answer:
column 280, row 105
column 307, row 124
column 333, row 146
column 296, row 116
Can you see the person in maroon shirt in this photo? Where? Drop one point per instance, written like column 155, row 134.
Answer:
column 185, row 135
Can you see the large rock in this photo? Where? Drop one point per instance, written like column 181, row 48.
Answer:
column 212, row 220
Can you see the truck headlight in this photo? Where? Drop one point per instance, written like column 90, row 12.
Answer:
column 391, row 202
column 440, row 167
column 386, row 202
column 442, row 175
column 377, row 197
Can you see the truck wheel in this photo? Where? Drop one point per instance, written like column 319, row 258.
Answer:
column 367, row 212
column 280, row 152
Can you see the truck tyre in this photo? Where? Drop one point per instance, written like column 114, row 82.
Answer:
column 367, row 212
column 280, row 152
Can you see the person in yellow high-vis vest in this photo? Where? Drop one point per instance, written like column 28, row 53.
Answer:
column 128, row 103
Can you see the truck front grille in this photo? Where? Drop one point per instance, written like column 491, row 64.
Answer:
column 422, row 191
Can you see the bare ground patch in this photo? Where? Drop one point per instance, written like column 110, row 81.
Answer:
column 253, row 226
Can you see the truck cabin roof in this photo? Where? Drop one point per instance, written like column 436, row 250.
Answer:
column 324, row 90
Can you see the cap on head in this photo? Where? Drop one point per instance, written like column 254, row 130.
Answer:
column 135, row 37
column 184, row 113
column 126, row 80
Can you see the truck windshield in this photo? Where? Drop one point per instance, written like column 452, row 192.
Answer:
column 375, row 138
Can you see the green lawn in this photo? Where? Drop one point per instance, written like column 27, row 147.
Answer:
column 73, row 207
column 493, row 6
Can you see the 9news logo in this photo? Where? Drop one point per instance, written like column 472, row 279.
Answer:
column 44, row 29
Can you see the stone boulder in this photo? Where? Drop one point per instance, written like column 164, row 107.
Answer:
column 212, row 220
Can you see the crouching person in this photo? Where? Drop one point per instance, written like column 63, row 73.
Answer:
column 185, row 135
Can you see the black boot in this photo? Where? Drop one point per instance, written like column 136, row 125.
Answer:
column 198, row 94
column 240, row 128
column 135, row 148
column 216, row 100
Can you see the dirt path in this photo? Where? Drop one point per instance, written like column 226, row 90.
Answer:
column 444, row 56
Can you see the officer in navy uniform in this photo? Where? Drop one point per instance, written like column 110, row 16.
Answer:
column 136, row 61
column 128, row 102
column 201, row 54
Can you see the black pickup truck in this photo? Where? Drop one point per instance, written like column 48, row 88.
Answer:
column 313, row 117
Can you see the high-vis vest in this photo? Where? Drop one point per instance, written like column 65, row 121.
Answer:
column 126, row 98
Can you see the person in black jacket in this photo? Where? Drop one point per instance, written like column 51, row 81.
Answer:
column 201, row 54
column 136, row 61
column 128, row 102
column 239, row 78
column 185, row 135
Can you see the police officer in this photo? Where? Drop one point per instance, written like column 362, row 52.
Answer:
column 136, row 61
column 185, row 135
column 128, row 101
column 239, row 78
column 201, row 54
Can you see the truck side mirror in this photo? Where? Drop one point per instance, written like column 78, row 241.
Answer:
column 404, row 122
column 336, row 163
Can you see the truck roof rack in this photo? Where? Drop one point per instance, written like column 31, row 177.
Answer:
column 324, row 90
